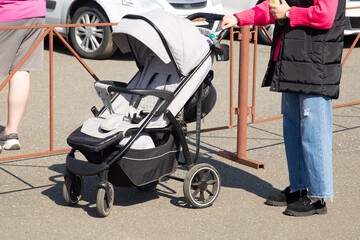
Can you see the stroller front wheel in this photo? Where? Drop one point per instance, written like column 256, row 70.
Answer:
column 202, row 185
column 105, row 200
column 72, row 190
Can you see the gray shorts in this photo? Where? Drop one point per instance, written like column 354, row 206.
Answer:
column 15, row 44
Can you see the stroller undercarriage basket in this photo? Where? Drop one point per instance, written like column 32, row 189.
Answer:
column 143, row 166
column 137, row 167
column 135, row 140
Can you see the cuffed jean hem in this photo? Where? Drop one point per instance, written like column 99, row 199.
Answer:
column 309, row 194
column 321, row 196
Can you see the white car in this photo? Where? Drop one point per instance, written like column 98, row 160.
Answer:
column 96, row 42
column 352, row 16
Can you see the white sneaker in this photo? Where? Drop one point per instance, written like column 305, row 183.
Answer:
column 9, row 142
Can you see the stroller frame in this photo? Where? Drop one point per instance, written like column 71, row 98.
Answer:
column 198, row 178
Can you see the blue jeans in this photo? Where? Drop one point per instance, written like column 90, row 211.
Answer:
column 307, row 128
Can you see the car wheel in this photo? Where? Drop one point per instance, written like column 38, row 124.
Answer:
column 91, row 42
column 262, row 36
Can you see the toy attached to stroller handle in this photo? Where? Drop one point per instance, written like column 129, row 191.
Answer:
column 210, row 17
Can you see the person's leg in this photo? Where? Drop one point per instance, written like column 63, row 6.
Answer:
column 19, row 89
column 290, row 108
column 18, row 95
column 316, row 141
column 316, row 135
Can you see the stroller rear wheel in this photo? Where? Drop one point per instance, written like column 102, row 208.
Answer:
column 72, row 190
column 105, row 200
column 202, row 185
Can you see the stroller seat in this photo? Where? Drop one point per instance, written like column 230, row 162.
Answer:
column 112, row 126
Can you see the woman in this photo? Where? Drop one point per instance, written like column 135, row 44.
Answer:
column 305, row 65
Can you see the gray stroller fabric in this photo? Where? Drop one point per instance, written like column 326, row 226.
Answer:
column 188, row 45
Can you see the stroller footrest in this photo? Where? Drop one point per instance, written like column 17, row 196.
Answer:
column 82, row 141
column 84, row 168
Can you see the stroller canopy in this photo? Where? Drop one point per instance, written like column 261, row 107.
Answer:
column 186, row 43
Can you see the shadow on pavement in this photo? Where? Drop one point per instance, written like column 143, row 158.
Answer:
column 231, row 177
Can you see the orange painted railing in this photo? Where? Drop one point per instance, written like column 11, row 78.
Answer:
column 242, row 110
column 51, row 31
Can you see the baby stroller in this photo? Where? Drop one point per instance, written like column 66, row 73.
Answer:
column 136, row 138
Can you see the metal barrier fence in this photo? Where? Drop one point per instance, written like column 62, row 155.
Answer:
column 51, row 31
column 242, row 110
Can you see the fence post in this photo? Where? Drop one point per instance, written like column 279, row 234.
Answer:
column 242, row 111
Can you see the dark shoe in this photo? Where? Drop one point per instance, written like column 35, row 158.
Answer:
column 304, row 207
column 285, row 197
column 9, row 142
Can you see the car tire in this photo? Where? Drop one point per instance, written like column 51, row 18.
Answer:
column 262, row 36
column 91, row 42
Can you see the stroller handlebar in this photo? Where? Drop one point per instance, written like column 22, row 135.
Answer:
column 223, row 34
column 210, row 17
column 166, row 97
column 207, row 16
column 103, row 90
column 162, row 94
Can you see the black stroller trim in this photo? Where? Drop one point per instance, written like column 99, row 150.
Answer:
column 82, row 141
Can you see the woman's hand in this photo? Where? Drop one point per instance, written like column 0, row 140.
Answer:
column 279, row 10
column 228, row 21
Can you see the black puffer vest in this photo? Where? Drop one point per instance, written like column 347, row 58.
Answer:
column 309, row 60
